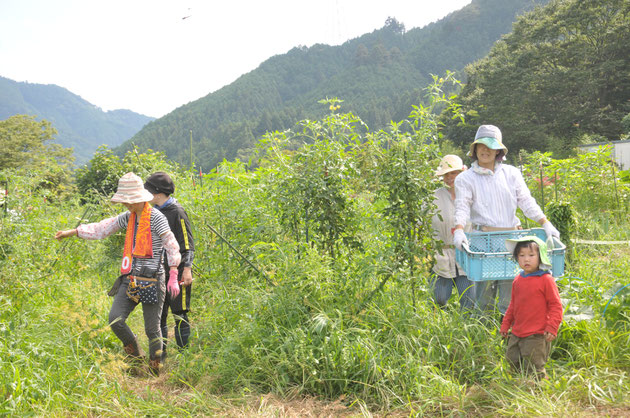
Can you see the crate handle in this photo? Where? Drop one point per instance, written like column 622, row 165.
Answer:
column 556, row 244
column 550, row 244
column 466, row 249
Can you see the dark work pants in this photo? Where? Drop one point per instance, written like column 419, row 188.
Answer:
column 179, row 307
column 123, row 306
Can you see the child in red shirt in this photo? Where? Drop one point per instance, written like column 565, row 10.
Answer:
column 535, row 310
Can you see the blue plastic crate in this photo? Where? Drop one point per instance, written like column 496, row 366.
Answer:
column 487, row 257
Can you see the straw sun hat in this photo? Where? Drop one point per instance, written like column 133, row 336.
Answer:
column 131, row 190
column 449, row 163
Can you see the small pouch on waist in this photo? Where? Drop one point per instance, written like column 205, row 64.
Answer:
column 142, row 290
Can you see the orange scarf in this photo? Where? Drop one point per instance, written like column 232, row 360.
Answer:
column 143, row 246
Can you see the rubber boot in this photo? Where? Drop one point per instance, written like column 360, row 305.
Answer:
column 154, row 366
column 182, row 331
column 134, row 356
column 133, row 351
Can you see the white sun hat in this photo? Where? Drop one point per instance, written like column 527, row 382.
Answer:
column 131, row 190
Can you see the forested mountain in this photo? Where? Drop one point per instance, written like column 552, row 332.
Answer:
column 79, row 124
column 560, row 77
column 378, row 75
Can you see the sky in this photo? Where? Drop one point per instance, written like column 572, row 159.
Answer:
column 152, row 56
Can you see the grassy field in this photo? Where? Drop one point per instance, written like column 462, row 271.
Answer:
column 336, row 318
column 301, row 347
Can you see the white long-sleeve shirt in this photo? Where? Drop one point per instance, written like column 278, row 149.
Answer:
column 445, row 264
column 490, row 198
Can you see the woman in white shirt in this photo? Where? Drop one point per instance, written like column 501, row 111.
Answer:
column 487, row 196
column 447, row 271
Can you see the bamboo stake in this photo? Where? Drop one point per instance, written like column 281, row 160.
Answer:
column 612, row 165
column 240, row 254
column 542, row 187
column 520, row 160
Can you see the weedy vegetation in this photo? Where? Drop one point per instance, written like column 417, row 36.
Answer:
column 337, row 315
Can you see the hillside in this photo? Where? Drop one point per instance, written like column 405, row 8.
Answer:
column 559, row 79
column 80, row 124
column 379, row 76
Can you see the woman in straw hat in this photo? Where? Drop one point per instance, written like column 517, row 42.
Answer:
column 142, row 274
column 487, row 196
column 446, row 269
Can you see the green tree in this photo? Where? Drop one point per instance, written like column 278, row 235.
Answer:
column 625, row 124
column 27, row 151
column 407, row 180
column 588, row 180
column 100, row 177
column 563, row 72
column 25, row 142
column 311, row 193
column 394, row 25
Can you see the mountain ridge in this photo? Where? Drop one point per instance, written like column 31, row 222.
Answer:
column 80, row 124
column 379, row 75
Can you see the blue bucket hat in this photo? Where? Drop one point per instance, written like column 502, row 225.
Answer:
column 490, row 136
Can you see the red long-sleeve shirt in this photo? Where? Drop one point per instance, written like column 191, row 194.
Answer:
column 535, row 306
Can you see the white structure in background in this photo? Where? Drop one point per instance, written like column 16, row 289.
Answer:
column 620, row 152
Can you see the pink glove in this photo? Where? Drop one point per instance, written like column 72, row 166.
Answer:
column 172, row 285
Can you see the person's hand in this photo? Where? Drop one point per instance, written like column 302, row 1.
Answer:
column 504, row 334
column 550, row 230
column 186, row 277
column 549, row 336
column 172, row 285
column 459, row 238
column 65, row 234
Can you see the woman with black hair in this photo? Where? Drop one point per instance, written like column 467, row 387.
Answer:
column 487, row 196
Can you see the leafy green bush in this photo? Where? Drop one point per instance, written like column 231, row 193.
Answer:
column 589, row 183
column 340, row 326
column 562, row 215
column 99, row 178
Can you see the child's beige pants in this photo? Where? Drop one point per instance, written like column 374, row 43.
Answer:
column 529, row 353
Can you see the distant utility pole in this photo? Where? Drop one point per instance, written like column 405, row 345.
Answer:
column 191, row 160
